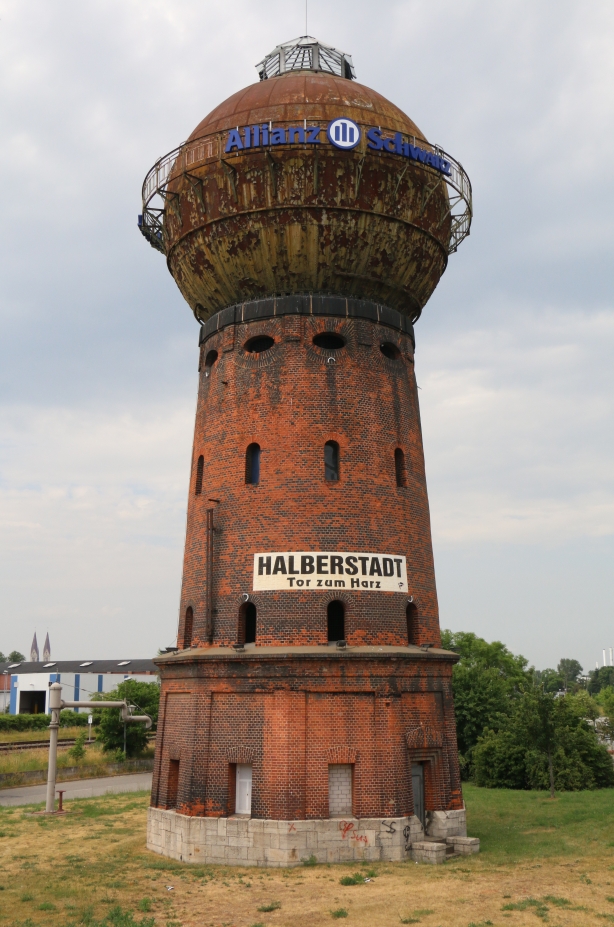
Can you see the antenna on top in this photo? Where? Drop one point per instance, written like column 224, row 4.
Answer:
column 306, row 30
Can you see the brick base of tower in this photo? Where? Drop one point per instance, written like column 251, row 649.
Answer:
column 295, row 716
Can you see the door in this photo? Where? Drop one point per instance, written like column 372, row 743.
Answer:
column 243, row 800
column 417, row 784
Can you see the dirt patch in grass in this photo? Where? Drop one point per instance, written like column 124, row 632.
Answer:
column 91, row 868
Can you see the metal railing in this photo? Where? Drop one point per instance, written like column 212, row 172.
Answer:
column 186, row 156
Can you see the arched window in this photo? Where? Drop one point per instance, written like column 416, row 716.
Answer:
column 188, row 627
column 200, row 466
column 331, row 461
column 252, row 464
column 411, row 613
column 247, row 623
column 210, row 361
column 399, row 467
column 335, row 614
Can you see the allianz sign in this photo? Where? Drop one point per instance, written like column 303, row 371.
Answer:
column 342, row 133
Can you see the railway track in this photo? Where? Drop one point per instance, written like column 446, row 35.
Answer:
column 8, row 746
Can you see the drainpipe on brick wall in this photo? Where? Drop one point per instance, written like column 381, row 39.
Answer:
column 209, row 578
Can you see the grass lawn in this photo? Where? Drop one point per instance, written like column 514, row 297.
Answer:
column 22, row 737
column 19, row 761
column 543, row 862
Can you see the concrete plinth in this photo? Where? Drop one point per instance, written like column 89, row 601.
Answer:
column 253, row 842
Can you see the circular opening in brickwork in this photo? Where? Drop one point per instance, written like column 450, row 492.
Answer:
column 330, row 341
column 390, row 350
column 259, row 344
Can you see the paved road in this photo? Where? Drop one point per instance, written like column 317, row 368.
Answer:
column 81, row 788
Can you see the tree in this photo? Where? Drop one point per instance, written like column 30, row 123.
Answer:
column 486, row 682
column 550, row 680
column 146, row 697
column 546, row 743
column 15, row 657
column 2, row 657
column 540, row 726
column 605, row 700
column 569, row 670
column 598, row 679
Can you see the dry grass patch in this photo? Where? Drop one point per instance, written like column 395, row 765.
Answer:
column 90, row 868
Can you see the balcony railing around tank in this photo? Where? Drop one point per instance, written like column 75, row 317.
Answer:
column 157, row 198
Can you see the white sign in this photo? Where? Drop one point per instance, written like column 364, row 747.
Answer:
column 330, row 570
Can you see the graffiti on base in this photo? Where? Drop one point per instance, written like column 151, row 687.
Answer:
column 346, row 828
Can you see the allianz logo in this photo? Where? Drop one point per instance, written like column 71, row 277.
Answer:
column 342, row 133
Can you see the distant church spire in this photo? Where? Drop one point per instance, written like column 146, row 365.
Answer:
column 47, row 649
column 34, row 657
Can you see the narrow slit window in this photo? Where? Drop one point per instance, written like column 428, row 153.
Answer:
column 252, row 464
column 399, row 467
column 200, row 466
column 188, row 628
column 247, row 623
column 335, row 615
column 331, row 461
column 411, row 614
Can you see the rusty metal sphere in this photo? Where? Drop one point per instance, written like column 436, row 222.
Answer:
column 249, row 222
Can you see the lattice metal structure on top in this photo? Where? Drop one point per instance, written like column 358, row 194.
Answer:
column 306, row 54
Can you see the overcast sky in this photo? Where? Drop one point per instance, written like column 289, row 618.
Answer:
column 98, row 351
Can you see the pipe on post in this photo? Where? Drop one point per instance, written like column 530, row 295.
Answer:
column 55, row 706
column 56, row 703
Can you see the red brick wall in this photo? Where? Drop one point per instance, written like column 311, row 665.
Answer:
column 290, row 401
column 292, row 715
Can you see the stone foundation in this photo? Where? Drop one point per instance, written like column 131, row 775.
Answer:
column 244, row 841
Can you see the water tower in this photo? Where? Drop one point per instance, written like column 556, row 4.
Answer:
column 308, row 708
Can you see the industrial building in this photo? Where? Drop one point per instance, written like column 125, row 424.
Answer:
column 28, row 682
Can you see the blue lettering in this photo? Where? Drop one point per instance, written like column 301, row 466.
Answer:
column 234, row 141
column 374, row 139
column 248, row 137
column 389, row 144
column 312, row 134
column 445, row 166
column 265, row 134
column 417, row 154
column 278, row 137
column 256, row 132
column 292, row 133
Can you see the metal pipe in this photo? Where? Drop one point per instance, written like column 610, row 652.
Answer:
column 209, row 578
column 123, row 706
column 56, row 703
column 55, row 706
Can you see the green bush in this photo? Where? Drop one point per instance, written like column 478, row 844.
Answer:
column 517, row 756
column 68, row 718
column 146, row 697
column 77, row 751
